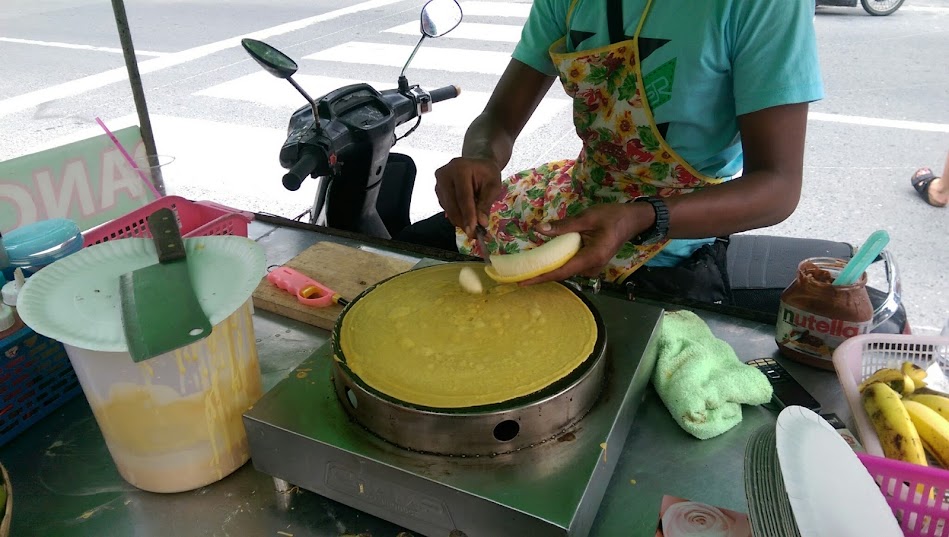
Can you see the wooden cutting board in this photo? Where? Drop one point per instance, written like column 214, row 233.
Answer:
column 348, row 271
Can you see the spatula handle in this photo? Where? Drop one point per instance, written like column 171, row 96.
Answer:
column 164, row 229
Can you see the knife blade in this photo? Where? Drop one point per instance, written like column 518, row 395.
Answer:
column 160, row 311
column 481, row 232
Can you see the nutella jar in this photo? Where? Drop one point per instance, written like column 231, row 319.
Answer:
column 816, row 316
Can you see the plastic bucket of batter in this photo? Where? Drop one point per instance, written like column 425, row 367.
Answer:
column 173, row 422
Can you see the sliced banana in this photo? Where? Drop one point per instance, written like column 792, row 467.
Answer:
column 470, row 281
column 511, row 268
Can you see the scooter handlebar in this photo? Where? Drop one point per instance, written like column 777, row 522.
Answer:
column 301, row 170
column 445, row 93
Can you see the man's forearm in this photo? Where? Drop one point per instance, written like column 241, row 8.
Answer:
column 759, row 199
column 487, row 139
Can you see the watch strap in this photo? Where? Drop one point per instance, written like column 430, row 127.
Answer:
column 660, row 227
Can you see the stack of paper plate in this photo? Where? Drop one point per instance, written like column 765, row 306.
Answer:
column 803, row 480
column 768, row 506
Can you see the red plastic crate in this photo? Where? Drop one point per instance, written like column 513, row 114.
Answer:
column 195, row 218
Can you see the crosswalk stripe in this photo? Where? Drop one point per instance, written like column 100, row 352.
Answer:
column 505, row 33
column 455, row 114
column 92, row 82
column 442, row 59
column 75, row 46
column 496, row 9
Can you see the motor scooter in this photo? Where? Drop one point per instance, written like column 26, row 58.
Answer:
column 874, row 7
column 345, row 137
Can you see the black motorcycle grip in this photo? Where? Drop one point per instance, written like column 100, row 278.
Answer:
column 299, row 172
column 443, row 94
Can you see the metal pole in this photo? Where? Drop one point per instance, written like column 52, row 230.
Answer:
column 138, row 93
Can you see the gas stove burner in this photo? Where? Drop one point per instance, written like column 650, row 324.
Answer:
column 483, row 430
column 301, row 433
column 478, row 431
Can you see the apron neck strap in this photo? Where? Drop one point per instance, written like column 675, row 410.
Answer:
column 614, row 20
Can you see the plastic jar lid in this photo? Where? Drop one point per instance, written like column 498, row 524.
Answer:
column 41, row 243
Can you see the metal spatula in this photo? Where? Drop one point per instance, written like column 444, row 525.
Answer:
column 160, row 311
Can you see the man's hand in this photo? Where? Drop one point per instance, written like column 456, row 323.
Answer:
column 466, row 189
column 604, row 229
column 469, row 185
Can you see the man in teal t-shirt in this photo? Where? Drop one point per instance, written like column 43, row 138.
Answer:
column 727, row 82
column 704, row 64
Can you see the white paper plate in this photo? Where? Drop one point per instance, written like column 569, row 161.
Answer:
column 830, row 490
column 76, row 299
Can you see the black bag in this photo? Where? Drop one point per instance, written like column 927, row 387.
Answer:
column 703, row 277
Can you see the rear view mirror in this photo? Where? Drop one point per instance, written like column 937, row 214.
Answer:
column 272, row 60
column 440, row 17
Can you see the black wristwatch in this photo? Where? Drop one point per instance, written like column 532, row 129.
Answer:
column 660, row 228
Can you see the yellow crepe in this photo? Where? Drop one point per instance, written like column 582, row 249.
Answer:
column 421, row 339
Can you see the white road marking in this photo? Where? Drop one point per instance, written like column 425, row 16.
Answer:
column 105, row 78
column 505, row 33
column 442, row 59
column 496, row 9
column 880, row 122
column 74, row 46
column 455, row 114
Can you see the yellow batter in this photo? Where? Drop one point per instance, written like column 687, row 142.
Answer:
column 421, row 339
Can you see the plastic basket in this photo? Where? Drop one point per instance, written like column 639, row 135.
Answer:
column 859, row 357
column 195, row 218
column 36, row 378
column 917, row 494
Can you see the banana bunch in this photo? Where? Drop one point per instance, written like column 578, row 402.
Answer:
column 910, row 420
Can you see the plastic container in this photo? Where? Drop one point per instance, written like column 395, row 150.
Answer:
column 196, row 219
column 174, row 422
column 859, row 357
column 39, row 244
column 917, row 494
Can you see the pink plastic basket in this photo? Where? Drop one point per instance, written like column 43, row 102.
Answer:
column 859, row 357
column 196, row 219
column 917, row 494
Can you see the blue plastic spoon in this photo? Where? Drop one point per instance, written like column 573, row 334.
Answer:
column 865, row 256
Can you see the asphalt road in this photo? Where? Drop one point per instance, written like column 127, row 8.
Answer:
column 886, row 111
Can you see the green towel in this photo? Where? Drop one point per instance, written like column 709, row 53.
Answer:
column 701, row 380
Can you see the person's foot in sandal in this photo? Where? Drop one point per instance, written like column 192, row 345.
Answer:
column 935, row 190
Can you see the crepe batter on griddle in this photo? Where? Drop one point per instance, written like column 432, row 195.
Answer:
column 421, row 339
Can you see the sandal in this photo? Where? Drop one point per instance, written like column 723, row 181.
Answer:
column 921, row 181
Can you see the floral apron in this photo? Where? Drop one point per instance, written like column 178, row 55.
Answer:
column 623, row 155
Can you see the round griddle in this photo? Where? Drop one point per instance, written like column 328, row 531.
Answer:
column 478, row 430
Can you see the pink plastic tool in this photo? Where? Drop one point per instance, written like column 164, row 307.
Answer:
column 308, row 291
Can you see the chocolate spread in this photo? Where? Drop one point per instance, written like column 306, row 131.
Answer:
column 816, row 316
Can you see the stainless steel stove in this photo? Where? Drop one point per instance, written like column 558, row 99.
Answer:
column 301, row 433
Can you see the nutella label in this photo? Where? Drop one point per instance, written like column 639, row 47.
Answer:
column 814, row 335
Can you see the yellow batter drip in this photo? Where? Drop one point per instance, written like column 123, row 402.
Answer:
column 421, row 339
column 168, row 440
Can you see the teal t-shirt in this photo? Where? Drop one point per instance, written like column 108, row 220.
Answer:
column 704, row 63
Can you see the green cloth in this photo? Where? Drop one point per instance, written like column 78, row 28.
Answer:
column 701, row 380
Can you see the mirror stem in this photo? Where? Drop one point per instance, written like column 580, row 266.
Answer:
column 406, row 66
column 316, row 115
